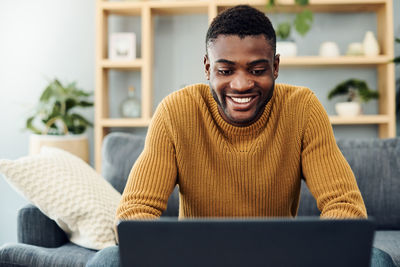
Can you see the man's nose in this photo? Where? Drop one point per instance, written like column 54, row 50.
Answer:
column 241, row 82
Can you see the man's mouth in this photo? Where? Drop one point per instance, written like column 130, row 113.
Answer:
column 242, row 103
column 241, row 100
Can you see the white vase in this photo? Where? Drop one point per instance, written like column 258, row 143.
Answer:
column 286, row 48
column 76, row 144
column 348, row 109
column 370, row 44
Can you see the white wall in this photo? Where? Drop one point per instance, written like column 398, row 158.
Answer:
column 39, row 40
column 43, row 39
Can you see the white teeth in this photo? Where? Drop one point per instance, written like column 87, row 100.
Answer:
column 241, row 99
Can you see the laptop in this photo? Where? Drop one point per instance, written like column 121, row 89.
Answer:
column 246, row 242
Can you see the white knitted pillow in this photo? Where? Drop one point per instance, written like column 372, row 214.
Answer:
column 68, row 191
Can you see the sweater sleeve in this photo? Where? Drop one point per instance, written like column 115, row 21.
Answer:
column 326, row 171
column 153, row 176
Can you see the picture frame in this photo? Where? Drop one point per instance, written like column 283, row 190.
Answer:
column 122, row 46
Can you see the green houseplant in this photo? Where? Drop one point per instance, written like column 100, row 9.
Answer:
column 355, row 91
column 56, row 122
column 55, row 113
column 302, row 24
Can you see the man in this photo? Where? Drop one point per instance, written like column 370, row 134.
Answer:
column 240, row 146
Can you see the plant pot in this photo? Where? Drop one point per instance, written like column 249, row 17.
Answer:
column 348, row 109
column 76, row 144
column 286, row 48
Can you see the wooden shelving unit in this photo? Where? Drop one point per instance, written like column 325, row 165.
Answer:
column 146, row 10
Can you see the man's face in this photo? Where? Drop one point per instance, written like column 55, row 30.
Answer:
column 242, row 75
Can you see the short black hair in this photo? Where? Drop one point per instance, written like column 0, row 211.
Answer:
column 241, row 20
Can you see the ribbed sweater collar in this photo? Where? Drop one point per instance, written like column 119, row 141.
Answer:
column 231, row 130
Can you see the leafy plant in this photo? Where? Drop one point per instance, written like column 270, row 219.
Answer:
column 283, row 30
column 354, row 89
column 55, row 113
column 302, row 22
column 397, row 59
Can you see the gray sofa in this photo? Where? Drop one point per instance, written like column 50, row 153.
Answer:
column 375, row 162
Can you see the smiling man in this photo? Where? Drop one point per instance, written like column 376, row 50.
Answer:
column 240, row 146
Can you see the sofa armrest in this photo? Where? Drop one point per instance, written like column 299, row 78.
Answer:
column 35, row 228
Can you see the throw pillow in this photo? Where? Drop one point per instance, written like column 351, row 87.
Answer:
column 68, row 191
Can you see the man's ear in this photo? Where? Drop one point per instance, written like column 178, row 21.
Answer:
column 276, row 66
column 206, row 62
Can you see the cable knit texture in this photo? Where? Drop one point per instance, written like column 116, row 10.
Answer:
column 228, row 171
column 67, row 190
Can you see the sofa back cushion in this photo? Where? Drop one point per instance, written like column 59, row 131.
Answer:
column 376, row 166
column 375, row 163
column 119, row 153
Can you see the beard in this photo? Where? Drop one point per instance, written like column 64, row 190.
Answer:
column 222, row 106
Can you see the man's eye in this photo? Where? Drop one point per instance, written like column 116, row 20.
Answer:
column 225, row 72
column 257, row 72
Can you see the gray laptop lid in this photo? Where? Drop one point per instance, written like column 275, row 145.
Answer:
column 267, row 242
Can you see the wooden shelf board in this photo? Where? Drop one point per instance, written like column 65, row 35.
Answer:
column 336, row 61
column 287, row 62
column 123, row 65
column 288, row 6
column 362, row 119
column 122, row 122
column 157, row 7
column 336, row 120
column 124, row 8
column 201, row 6
column 179, row 7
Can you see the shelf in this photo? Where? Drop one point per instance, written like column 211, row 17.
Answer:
column 201, row 6
column 335, row 120
column 288, row 6
column 287, row 62
column 122, row 8
column 122, row 65
column 122, row 122
column 179, row 7
column 309, row 61
column 157, row 7
column 362, row 119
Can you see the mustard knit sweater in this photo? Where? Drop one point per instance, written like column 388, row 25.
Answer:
column 229, row 171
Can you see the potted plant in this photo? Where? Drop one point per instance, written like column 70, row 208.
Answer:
column 355, row 91
column 55, row 121
column 286, row 46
